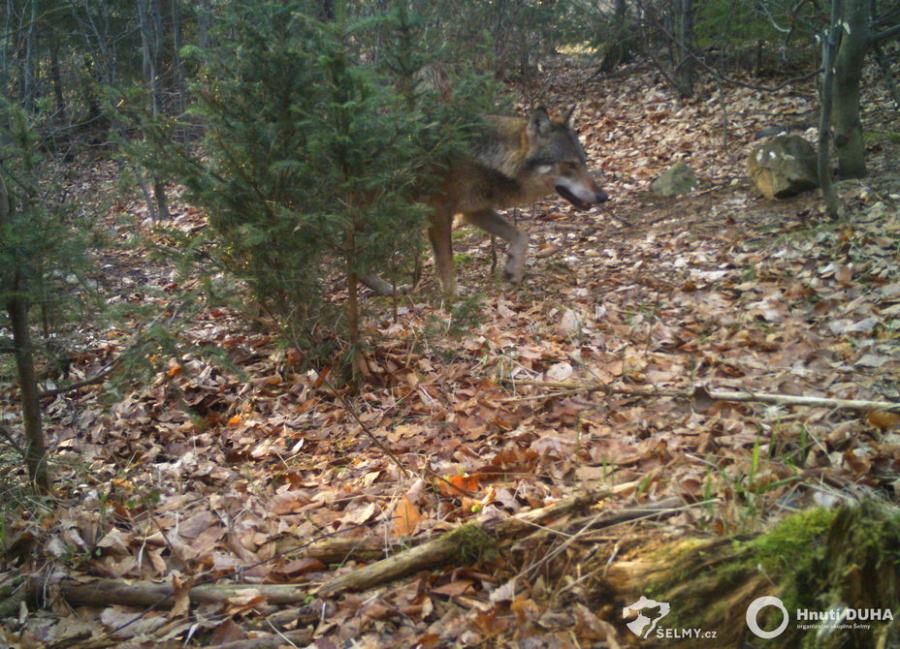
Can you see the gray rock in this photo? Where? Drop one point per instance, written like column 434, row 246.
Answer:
column 783, row 166
column 678, row 180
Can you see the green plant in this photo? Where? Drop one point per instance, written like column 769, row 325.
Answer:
column 313, row 156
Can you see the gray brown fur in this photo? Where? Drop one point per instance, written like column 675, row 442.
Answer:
column 515, row 161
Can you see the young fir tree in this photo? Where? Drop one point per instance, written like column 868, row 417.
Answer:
column 36, row 250
column 312, row 157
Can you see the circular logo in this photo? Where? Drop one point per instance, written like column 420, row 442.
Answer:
column 753, row 612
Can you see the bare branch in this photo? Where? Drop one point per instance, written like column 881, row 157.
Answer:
column 887, row 34
column 700, row 393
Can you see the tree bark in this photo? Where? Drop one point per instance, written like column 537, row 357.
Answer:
column 153, row 40
column 828, row 102
column 17, row 307
column 848, row 65
column 29, row 76
column 35, row 450
column 685, row 68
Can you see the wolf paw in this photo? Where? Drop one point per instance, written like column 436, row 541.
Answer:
column 513, row 277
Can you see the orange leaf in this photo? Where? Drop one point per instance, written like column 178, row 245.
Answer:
column 884, row 419
column 174, row 371
column 235, row 420
column 406, row 517
column 463, row 483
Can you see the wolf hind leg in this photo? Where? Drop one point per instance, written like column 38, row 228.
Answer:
column 493, row 223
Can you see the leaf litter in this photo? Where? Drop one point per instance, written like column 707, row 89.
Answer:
column 259, row 474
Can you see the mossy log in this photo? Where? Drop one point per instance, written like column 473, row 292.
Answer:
column 836, row 573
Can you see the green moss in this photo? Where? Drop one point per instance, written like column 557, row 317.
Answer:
column 473, row 544
column 795, row 543
column 791, row 554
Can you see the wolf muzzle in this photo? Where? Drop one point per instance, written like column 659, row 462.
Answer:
column 599, row 197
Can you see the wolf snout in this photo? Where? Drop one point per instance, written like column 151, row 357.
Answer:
column 585, row 201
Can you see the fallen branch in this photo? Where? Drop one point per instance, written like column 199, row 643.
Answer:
column 702, row 395
column 466, row 545
column 458, row 544
column 99, row 377
column 113, row 365
column 455, row 545
column 296, row 638
column 108, row 592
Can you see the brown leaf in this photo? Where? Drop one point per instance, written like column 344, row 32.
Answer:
column 228, row 631
column 453, row 588
column 406, row 517
column 884, row 419
column 181, row 593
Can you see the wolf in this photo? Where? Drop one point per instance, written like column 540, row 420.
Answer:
column 514, row 161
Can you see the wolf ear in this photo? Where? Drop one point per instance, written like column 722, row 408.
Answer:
column 539, row 122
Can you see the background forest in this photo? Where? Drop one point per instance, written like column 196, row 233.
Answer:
column 210, row 429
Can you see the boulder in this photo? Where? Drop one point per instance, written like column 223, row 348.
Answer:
column 783, row 166
column 678, row 180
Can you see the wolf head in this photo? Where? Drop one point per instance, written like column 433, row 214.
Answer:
column 557, row 162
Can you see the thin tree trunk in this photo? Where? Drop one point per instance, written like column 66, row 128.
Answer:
column 152, row 39
column 204, row 17
column 56, row 77
column 848, row 64
column 884, row 62
column 684, row 72
column 180, row 87
column 17, row 307
column 35, row 451
column 829, row 194
column 29, row 84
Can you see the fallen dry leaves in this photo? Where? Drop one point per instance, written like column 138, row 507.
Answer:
column 218, row 473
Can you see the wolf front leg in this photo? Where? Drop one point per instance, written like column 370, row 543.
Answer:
column 440, row 232
column 493, row 223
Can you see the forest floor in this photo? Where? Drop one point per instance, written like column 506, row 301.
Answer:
column 260, row 471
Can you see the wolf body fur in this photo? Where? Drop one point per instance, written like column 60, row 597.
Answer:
column 515, row 161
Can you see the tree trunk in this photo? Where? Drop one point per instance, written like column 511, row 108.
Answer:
column 848, row 65
column 153, row 39
column 56, row 78
column 621, row 46
column 17, row 307
column 29, row 85
column 179, row 90
column 829, row 194
column 204, row 23
column 35, row 451
column 684, row 71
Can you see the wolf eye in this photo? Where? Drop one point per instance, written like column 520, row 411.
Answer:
column 544, row 169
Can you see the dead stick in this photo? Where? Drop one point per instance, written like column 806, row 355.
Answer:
column 700, row 392
column 106, row 592
column 449, row 546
